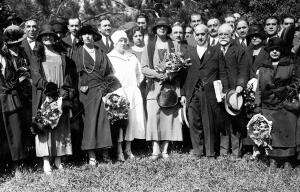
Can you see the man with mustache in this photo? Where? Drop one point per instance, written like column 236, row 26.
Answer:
column 104, row 27
column 213, row 25
column 31, row 31
column 236, row 65
column 198, row 93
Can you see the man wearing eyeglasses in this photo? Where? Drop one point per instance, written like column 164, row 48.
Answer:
column 236, row 65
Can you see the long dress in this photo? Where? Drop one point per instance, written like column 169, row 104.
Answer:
column 13, row 136
column 162, row 123
column 273, row 92
column 127, row 69
column 96, row 131
column 56, row 141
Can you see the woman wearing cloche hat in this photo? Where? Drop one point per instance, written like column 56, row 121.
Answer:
column 94, row 69
column 15, row 97
column 52, row 73
column 163, row 123
column 276, row 100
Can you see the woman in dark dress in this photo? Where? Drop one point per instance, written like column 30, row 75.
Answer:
column 52, row 74
column 15, row 97
column 277, row 94
column 93, row 68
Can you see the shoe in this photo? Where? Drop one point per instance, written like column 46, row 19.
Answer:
column 154, row 157
column 120, row 157
column 105, row 156
column 58, row 164
column 287, row 165
column 165, row 155
column 273, row 164
column 129, row 155
column 93, row 162
column 47, row 170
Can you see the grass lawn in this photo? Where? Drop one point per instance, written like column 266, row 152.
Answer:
column 178, row 173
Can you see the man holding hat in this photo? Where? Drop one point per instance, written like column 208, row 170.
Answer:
column 198, row 93
column 237, row 70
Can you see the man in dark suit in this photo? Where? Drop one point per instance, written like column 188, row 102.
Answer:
column 237, row 68
column 71, row 40
column 198, row 92
column 104, row 27
column 31, row 30
column 242, row 28
column 213, row 25
column 271, row 27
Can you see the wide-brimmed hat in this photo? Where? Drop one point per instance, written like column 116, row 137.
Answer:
column 89, row 29
column 46, row 30
column 233, row 102
column 162, row 21
column 276, row 43
column 183, row 116
column 13, row 34
column 256, row 30
column 51, row 90
column 14, row 19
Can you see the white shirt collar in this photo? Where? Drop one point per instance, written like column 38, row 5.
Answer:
column 3, row 62
column 201, row 50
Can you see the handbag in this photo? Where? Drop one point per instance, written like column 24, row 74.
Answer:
column 10, row 102
column 167, row 97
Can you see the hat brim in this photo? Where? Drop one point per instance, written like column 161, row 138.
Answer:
column 39, row 37
column 260, row 35
column 84, row 31
column 16, row 41
column 229, row 109
column 169, row 29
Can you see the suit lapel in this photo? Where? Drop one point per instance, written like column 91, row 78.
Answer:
column 196, row 57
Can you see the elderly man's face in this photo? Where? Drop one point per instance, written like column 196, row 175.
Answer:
column 201, row 35
column 288, row 22
column 271, row 26
column 177, row 33
column 242, row 29
column 31, row 29
column 224, row 35
column 195, row 20
column 213, row 26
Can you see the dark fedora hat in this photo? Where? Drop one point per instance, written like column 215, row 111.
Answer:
column 89, row 29
column 162, row 21
column 46, row 30
column 256, row 30
column 51, row 90
column 13, row 34
column 276, row 43
column 14, row 19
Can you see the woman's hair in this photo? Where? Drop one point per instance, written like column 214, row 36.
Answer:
column 130, row 33
column 39, row 50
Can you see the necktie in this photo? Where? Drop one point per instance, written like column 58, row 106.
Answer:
column 223, row 50
column 243, row 43
column 213, row 42
column 107, row 43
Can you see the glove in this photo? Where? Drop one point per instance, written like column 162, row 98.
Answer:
column 64, row 93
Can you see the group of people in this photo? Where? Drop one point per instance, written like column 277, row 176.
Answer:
column 83, row 64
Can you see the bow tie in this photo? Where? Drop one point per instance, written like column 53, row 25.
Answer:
column 30, row 41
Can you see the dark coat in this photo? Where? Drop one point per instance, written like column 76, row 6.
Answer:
column 40, row 82
column 25, row 45
column 200, row 76
column 255, row 63
column 210, row 69
column 12, row 124
column 236, row 65
column 274, row 92
column 101, row 45
column 69, row 45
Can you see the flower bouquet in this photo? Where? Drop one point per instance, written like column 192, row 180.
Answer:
column 117, row 107
column 249, row 101
column 172, row 63
column 259, row 130
column 50, row 112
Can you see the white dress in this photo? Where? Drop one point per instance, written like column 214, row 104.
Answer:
column 127, row 69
